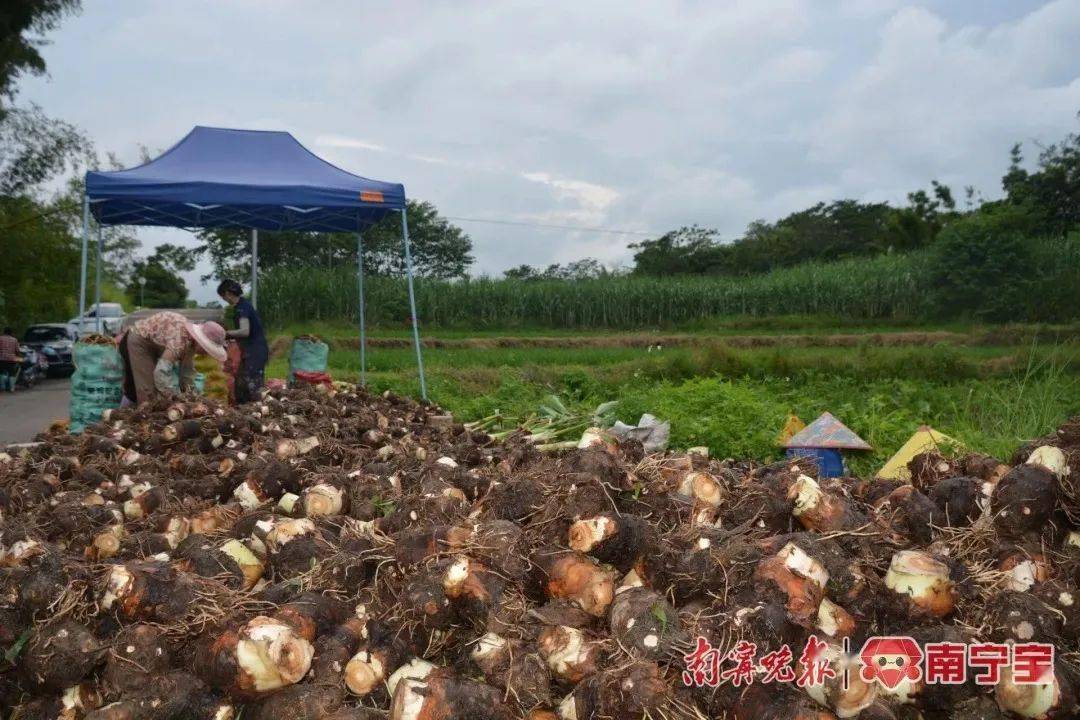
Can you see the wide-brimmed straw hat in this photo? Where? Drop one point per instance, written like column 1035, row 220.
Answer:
column 211, row 338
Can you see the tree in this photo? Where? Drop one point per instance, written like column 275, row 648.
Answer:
column 1051, row 194
column 22, row 26
column 686, row 250
column 439, row 249
column 161, row 286
column 34, row 149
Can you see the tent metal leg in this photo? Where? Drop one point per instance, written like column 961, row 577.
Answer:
column 255, row 267
column 85, row 248
column 360, row 287
column 412, row 304
column 97, row 282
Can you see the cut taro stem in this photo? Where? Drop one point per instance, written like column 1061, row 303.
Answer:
column 816, row 509
column 1050, row 458
column 1024, row 572
column 293, row 448
column 567, row 652
column 1028, row 700
column 797, row 561
column 272, row 654
column 364, row 672
column 322, row 499
column 250, row 565
column 834, row 620
column 701, row 486
column 106, row 543
column 924, row 579
column 415, row 669
column 587, row 534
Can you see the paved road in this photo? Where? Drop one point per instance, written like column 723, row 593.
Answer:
column 27, row 412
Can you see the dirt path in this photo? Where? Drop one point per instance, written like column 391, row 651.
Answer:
column 27, row 412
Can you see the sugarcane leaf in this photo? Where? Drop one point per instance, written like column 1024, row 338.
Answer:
column 16, row 647
column 660, row 614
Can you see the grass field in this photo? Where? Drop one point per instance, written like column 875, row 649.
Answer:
column 731, row 386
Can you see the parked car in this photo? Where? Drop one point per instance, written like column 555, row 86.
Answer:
column 54, row 342
column 112, row 320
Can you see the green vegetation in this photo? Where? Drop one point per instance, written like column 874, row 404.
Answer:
column 992, row 397
column 1044, row 287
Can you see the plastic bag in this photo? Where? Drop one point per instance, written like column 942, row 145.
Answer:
column 314, row 378
column 310, row 355
column 652, row 433
column 97, row 384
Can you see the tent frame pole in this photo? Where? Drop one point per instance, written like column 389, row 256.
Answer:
column 360, row 288
column 412, row 304
column 255, row 267
column 97, row 282
column 85, row 244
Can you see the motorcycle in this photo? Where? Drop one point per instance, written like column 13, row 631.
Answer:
column 32, row 368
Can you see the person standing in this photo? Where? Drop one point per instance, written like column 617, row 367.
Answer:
column 154, row 347
column 249, row 334
column 9, row 360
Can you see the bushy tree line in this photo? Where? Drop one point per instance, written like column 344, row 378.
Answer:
column 981, row 254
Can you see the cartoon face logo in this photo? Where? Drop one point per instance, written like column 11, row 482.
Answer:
column 889, row 660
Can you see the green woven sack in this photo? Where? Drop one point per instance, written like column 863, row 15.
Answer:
column 97, row 385
column 308, row 355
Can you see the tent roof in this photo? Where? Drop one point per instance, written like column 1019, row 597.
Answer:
column 827, row 432
column 925, row 438
column 215, row 177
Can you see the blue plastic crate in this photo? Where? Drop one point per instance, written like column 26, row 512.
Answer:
column 829, row 461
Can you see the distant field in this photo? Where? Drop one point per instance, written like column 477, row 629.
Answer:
column 992, row 387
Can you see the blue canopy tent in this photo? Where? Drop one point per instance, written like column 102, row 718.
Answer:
column 262, row 180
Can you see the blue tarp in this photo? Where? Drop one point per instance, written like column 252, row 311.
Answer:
column 216, row 177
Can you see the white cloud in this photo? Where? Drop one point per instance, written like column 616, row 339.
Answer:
column 641, row 116
column 339, row 141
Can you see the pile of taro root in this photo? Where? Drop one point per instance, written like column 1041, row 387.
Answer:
column 338, row 555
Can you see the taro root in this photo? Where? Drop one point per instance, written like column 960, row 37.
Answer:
column 617, row 540
column 643, row 623
column 911, row 513
column 959, row 501
column 623, row 694
column 231, row 560
column 323, row 499
column 924, row 581
column 146, row 590
column 1027, row 496
column 61, row 655
column 509, row 664
column 568, row 652
column 75, row 702
column 173, row 695
column 442, row 694
column 844, row 702
column 820, row 510
column 138, row 653
column 297, row 702
column 1052, row 697
column 799, row 577
column 576, row 577
column 263, row 655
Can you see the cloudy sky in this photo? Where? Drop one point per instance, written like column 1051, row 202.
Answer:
column 639, row 116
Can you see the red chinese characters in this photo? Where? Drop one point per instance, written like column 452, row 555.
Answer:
column 815, row 663
column 743, row 657
column 1033, row 663
column 777, row 665
column 702, row 665
column 991, row 657
column 946, row 663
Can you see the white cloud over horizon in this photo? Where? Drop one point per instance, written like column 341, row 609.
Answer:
column 642, row 117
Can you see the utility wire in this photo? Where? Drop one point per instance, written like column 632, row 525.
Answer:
column 555, row 227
